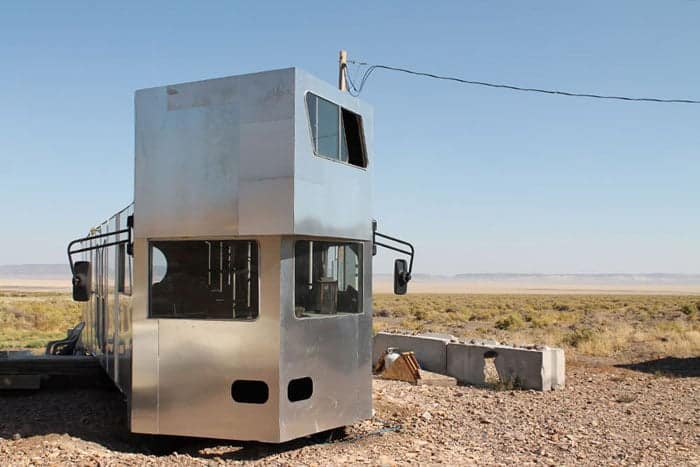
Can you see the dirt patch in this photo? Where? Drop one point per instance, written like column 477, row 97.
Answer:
column 605, row 415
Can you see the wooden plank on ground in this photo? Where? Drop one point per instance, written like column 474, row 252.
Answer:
column 404, row 368
column 428, row 378
column 51, row 366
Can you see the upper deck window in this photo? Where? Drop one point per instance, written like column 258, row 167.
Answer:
column 336, row 132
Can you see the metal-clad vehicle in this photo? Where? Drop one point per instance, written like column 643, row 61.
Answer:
column 233, row 298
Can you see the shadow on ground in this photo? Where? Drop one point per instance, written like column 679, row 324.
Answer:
column 99, row 415
column 668, row 366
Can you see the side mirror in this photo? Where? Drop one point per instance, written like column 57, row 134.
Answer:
column 81, row 281
column 401, row 277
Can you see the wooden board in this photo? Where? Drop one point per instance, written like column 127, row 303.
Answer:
column 428, row 378
column 404, row 368
column 51, row 365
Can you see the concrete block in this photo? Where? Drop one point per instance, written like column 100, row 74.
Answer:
column 440, row 335
column 541, row 369
column 557, row 368
column 466, row 362
column 431, row 352
column 483, row 342
column 531, row 367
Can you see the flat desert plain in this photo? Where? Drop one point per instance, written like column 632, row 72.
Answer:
column 632, row 394
column 447, row 286
column 537, row 287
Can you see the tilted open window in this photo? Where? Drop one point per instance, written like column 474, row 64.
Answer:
column 336, row 133
column 327, row 278
column 204, row 279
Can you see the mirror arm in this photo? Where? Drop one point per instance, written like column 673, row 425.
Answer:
column 410, row 252
column 126, row 231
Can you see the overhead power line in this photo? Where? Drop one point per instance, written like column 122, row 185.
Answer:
column 356, row 88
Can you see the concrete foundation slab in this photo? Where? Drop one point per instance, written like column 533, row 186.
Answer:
column 431, row 352
column 529, row 367
column 541, row 369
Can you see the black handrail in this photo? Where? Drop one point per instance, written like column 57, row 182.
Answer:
column 410, row 253
column 102, row 245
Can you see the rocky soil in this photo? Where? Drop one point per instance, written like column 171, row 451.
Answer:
column 646, row 415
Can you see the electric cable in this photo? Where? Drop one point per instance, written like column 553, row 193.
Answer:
column 356, row 88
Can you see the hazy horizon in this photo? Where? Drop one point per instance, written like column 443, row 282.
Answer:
column 48, row 277
column 36, row 268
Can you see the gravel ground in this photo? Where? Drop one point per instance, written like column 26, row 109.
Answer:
column 606, row 415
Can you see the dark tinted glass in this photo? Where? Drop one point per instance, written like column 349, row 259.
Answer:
column 328, row 278
column 204, row 279
column 336, row 132
column 327, row 143
column 354, row 139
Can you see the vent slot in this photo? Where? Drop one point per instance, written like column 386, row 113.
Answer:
column 250, row 391
column 300, row 389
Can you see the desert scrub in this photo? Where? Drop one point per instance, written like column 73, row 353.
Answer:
column 377, row 327
column 547, row 318
column 413, row 324
column 690, row 309
column 511, row 322
column 578, row 336
column 628, row 327
column 30, row 320
column 606, row 342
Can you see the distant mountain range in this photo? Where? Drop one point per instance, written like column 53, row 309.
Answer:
column 61, row 271
column 36, row 271
column 533, row 278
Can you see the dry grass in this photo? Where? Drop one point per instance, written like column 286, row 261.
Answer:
column 31, row 319
column 621, row 327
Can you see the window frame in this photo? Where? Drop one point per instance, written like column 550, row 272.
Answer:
column 150, row 245
column 361, row 259
column 125, row 275
column 341, row 132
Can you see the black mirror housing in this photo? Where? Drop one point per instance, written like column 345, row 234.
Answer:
column 82, row 278
column 400, row 277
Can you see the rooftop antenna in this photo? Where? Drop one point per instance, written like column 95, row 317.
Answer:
column 342, row 64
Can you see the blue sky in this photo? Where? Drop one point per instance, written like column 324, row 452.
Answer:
column 482, row 180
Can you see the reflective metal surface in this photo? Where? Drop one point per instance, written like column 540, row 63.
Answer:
column 107, row 315
column 216, row 158
column 226, row 159
column 234, row 156
column 331, row 198
column 334, row 351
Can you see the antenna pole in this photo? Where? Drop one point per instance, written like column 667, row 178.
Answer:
column 342, row 64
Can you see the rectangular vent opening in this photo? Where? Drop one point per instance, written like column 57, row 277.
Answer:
column 300, row 389
column 250, row 391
